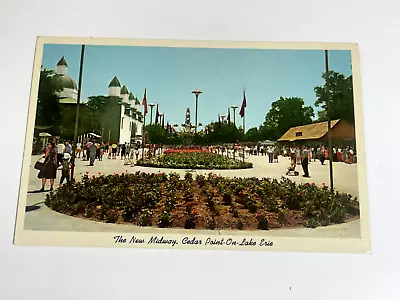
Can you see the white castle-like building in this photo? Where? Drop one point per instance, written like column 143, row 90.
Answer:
column 120, row 119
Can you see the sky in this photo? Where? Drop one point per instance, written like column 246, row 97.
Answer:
column 171, row 74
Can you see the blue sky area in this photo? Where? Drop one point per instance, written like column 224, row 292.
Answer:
column 170, row 75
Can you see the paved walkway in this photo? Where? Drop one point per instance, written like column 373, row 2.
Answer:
column 40, row 217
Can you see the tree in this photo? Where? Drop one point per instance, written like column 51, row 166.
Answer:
column 341, row 97
column 284, row 114
column 253, row 135
column 96, row 102
column 157, row 134
column 222, row 134
column 48, row 108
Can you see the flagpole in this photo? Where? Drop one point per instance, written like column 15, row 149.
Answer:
column 77, row 113
column 143, row 137
column 244, row 130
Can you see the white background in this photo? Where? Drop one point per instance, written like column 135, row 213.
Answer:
column 89, row 273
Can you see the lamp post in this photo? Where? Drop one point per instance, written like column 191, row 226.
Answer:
column 197, row 93
column 102, row 121
column 328, row 100
column 234, row 107
column 151, row 112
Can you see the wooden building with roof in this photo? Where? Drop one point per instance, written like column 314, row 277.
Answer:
column 343, row 133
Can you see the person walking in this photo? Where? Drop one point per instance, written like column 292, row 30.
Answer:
column 123, row 151
column 50, row 165
column 60, row 152
column 66, row 168
column 110, row 151
column 78, row 149
column 304, row 161
column 114, row 150
column 322, row 155
column 92, row 153
column 276, row 154
column 68, row 148
column 270, row 154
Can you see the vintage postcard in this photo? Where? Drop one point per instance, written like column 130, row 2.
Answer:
column 195, row 145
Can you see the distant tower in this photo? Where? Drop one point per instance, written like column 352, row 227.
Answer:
column 114, row 88
column 61, row 68
column 187, row 122
column 187, row 125
column 125, row 94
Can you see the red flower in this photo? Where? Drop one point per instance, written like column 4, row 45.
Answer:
column 257, row 215
column 313, row 183
column 99, row 173
column 87, row 173
column 188, row 203
column 194, row 211
column 298, row 194
column 323, row 183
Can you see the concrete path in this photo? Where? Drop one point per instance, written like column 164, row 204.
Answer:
column 39, row 217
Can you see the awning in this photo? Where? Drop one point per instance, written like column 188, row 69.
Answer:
column 95, row 135
column 45, row 134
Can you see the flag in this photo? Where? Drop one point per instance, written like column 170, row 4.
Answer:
column 219, row 121
column 144, row 103
column 229, row 117
column 241, row 113
column 157, row 116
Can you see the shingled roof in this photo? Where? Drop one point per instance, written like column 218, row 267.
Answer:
column 313, row 131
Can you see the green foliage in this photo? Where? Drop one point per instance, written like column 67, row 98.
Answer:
column 195, row 160
column 262, row 222
column 97, row 102
column 284, row 114
column 253, row 135
column 222, row 133
column 156, row 199
column 341, row 97
column 48, row 107
column 157, row 134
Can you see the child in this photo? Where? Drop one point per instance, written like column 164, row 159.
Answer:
column 101, row 153
column 137, row 154
column 66, row 166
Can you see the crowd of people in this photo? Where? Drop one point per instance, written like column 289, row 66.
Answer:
column 57, row 155
column 93, row 150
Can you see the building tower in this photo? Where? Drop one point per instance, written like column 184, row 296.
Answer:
column 69, row 87
column 125, row 94
column 61, row 68
column 114, row 88
column 187, row 124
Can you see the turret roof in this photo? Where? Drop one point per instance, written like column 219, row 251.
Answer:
column 115, row 82
column 124, row 90
column 62, row 62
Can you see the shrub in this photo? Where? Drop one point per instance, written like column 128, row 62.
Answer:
column 194, row 160
column 262, row 222
column 136, row 198
column 164, row 220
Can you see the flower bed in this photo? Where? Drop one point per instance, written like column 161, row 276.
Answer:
column 185, row 150
column 210, row 202
column 194, row 160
